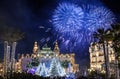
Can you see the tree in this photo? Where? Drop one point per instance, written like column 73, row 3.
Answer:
column 35, row 62
column 54, row 68
column 10, row 36
column 29, row 65
column 65, row 63
column 115, row 33
column 104, row 37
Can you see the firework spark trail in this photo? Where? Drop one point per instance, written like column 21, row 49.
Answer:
column 77, row 23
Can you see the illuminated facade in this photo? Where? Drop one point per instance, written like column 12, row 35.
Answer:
column 45, row 56
column 1, row 69
column 97, row 56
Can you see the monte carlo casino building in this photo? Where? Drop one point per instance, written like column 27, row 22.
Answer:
column 44, row 62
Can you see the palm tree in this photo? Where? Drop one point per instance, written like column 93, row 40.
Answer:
column 10, row 36
column 115, row 32
column 104, row 36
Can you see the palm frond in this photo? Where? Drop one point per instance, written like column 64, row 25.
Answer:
column 11, row 34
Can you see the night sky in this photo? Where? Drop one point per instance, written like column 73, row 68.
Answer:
column 33, row 18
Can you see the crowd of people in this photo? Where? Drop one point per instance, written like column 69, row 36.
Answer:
column 30, row 76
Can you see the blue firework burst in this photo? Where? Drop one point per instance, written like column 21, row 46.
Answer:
column 67, row 18
column 95, row 18
column 75, row 24
column 98, row 17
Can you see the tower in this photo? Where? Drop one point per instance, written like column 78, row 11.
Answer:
column 35, row 48
column 56, row 48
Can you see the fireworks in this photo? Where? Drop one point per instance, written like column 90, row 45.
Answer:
column 76, row 24
column 95, row 18
column 99, row 17
column 68, row 18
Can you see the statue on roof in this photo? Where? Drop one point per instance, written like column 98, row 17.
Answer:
column 56, row 48
column 36, row 47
